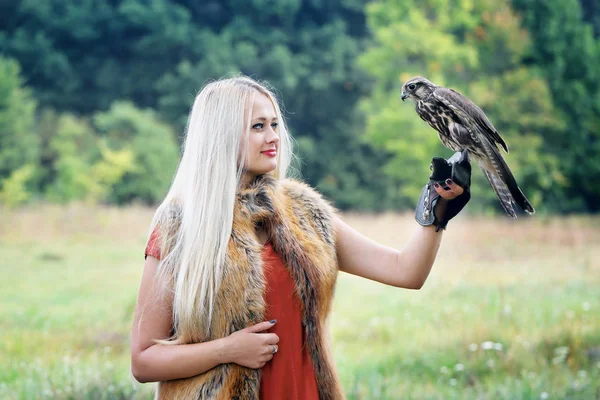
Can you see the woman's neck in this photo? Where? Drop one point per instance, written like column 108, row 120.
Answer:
column 246, row 179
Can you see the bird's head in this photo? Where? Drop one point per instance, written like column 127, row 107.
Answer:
column 417, row 88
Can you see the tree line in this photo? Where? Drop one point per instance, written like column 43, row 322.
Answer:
column 94, row 96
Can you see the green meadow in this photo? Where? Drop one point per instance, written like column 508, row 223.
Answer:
column 511, row 310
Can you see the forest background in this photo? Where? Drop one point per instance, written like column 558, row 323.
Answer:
column 94, row 95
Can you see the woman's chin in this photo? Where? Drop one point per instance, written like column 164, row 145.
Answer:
column 262, row 171
column 268, row 168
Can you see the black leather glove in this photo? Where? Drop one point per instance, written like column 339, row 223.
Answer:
column 457, row 168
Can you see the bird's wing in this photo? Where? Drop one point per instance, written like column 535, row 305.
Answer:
column 469, row 114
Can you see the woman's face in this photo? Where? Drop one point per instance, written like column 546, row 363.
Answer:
column 263, row 138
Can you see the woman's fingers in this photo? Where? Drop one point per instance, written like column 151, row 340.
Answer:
column 270, row 349
column 271, row 338
column 449, row 191
column 261, row 326
column 456, row 189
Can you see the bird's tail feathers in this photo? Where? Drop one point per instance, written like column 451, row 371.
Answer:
column 506, row 199
column 505, row 181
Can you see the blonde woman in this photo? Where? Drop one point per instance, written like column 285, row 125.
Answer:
column 241, row 263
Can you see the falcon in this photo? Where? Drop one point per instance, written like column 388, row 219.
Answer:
column 462, row 125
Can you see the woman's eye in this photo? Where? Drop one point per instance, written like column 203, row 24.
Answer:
column 259, row 126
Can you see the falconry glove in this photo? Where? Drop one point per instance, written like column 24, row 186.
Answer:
column 457, row 168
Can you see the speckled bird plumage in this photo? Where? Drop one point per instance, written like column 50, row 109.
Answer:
column 462, row 125
column 299, row 224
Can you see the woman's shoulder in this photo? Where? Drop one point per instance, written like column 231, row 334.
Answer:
column 307, row 195
column 164, row 229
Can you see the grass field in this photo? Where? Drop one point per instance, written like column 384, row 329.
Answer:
column 510, row 311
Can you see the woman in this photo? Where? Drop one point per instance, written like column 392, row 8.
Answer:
column 241, row 263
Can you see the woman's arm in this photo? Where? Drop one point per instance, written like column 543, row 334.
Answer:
column 408, row 268
column 152, row 362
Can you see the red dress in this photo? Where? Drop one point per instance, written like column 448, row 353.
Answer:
column 290, row 374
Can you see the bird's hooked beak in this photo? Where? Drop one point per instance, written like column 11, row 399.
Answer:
column 404, row 95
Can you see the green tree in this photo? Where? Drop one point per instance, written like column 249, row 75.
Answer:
column 14, row 190
column 77, row 164
column 109, row 170
column 153, row 146
column 19, row 145
column 567, row 52
column 72, row 160
column 591, row 14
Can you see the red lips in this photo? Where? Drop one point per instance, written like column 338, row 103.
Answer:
column 270, row 153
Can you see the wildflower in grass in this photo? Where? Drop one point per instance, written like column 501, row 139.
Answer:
column 544, row 395
column 459, row 367
column 507, row 309
column 444, row 370
column 560, row 355
column 532, row 375
column 498, row 346
column 473, row 347
column 586, row 306
column 453, row 382
column 575, row 384
column 487, row 345
column 490, row 363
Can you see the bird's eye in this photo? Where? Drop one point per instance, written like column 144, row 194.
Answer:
column 412, row 86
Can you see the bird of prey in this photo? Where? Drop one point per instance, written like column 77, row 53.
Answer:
column 462, row 125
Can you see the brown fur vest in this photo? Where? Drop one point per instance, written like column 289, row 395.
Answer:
column 299, row 224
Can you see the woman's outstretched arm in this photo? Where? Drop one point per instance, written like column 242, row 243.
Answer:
column 407, row 268
column 151, row 362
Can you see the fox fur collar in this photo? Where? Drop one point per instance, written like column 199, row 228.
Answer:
column 299, row 224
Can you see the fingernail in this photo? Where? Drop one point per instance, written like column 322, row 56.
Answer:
column 273, row 321
column 448, row 181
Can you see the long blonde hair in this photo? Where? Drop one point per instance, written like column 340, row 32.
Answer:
column 195, row 218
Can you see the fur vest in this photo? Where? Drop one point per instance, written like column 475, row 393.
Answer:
column 299, row 224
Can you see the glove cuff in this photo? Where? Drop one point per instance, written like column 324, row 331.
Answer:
column 424, row 214
column 425, row 211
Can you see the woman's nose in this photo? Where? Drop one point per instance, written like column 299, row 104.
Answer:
column 272, row 136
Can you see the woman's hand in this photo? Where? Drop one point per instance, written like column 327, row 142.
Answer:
column 447, row 191
column 251, row 347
